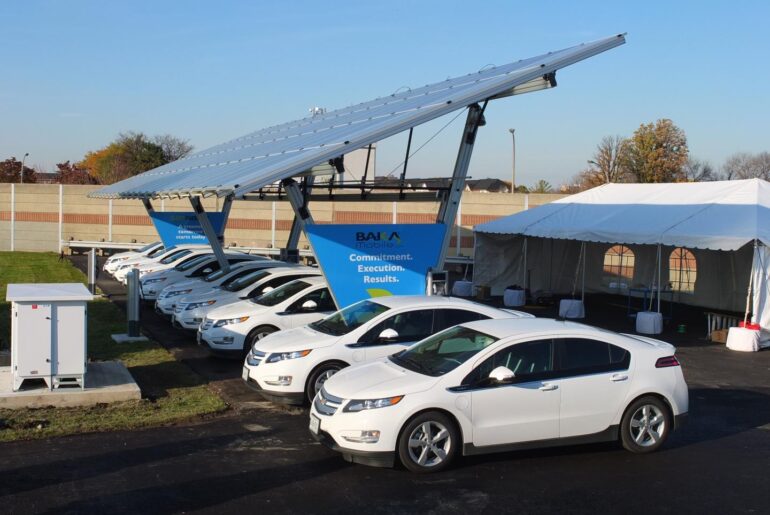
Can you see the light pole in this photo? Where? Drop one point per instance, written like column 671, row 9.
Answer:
column 513, row 163
column 21, row 175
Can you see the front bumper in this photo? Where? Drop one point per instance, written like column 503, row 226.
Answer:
column 291, row 398
column 369, row 458
column 219, row 338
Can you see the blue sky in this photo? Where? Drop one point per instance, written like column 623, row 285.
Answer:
column 77, row 73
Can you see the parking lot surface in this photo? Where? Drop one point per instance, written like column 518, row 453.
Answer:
column 260, row 457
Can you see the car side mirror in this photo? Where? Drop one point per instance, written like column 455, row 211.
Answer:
column 388, row 335
column 309, row 305
column 267, row 289
column 207, row 270
column 501, row 375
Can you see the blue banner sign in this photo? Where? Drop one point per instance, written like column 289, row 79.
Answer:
column 182, row 228
column 363, row 261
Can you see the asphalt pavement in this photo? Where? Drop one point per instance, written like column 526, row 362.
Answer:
column 258, row 457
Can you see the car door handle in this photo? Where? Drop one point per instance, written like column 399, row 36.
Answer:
column 547, row 387
column 618, row 377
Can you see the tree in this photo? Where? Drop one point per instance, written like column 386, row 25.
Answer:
column 132, row 153
column 10, row 169
column 747, row 166
column 657, row 152
column 696, row 170
column 72, row 174
column 607, row 164
column 541, row 186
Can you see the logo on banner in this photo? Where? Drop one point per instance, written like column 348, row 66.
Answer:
column 180, row 228
column 363, row 261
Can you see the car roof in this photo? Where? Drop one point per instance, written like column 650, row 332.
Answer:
column 313, row 280
column 280, row 270
column 512, row 327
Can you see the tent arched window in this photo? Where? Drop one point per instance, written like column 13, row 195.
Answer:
column 683, row 270
column 618, row 268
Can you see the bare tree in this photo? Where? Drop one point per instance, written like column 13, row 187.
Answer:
column 696, row 170
column 607, row 162
column 173, row 148
column 747, row 166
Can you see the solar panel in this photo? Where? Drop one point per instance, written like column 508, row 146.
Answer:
column 250, row 162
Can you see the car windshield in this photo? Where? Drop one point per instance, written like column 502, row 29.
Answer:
column 245, row 280
column 349, row 318
column 160, row 251
column 147, row 247
column 174, row 256
column 280, row 294
column 443, row 352
column 190, row 263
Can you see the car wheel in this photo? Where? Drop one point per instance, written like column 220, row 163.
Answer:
column 256, row 335
column 645, row 426
column 319, row 376
column 428, row 442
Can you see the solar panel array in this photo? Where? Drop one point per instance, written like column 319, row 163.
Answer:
column 245, row 164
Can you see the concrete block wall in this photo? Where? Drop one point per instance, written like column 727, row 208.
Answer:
column 44, row 213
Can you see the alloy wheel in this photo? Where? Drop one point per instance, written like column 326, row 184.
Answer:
column 429, row 444
column 647, row 426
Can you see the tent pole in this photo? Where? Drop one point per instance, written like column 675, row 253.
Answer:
column 524, row 271
column 751, row 280
column 583, row 285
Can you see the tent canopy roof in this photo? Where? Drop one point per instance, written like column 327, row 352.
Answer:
column 720, row 215
column 261, row 158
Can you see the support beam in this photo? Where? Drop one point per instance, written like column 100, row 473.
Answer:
column 298, row 199
column 227, row 204
column 447, row 213
column 211, row 235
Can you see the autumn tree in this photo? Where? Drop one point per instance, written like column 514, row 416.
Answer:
column 657, row 152
column 72, row 174
column 11, row 168
column 132, row 153
column 747, row 166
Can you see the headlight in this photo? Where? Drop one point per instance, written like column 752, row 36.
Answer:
column 280, row 356
column 156, row 280
column 196, row 305
column 177, row 292
column 228, row 321
column 360, row 405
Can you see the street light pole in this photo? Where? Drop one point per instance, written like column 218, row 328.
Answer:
column 513, row 163
column 21, row 175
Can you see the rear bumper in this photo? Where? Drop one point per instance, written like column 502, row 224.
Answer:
column 369, row 458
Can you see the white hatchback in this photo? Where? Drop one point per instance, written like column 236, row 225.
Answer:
column 234, row 328
column 114, row 261
column 500, row 385
column 291, row 366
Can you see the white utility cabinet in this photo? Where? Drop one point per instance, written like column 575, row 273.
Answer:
column 48, row 333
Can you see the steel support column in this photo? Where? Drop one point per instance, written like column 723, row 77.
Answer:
column 214, row 238
column 298, row 199
column 447, row 213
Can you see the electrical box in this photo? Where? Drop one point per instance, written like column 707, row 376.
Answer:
column 48, row 333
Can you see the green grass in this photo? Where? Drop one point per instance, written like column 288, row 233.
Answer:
column 171, row 392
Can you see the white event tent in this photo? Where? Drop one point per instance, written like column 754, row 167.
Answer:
column 724, row 225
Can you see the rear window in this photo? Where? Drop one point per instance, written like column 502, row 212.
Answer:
column 174, row 256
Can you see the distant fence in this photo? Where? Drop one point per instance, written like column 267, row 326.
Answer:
column 39, row 217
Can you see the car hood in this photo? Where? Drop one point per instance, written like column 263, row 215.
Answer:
column 191, row 284
column 241, row 308
column 299, row 338
column 377, row 379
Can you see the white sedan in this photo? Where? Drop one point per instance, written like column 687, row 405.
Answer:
column 169, row 255
column 114, row 261
column 171, row 294
column 234, row 328
column 190, row 310
column 190, row 268
column 291, row 366
column 500, row 385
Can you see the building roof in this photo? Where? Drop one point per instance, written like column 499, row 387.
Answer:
column 263, row 157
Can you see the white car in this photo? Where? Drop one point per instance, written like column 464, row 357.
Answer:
column 189, row 268
column 172, row 260
column 500, row 385
column 136, row 262
column 115, row 260
column 291, row 366
column 190, row 309
column 171, row 294
column 235, row 328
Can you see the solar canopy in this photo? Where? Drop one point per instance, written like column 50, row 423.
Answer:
column 263, row 157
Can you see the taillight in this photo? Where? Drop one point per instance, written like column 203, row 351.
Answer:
column 668, row 361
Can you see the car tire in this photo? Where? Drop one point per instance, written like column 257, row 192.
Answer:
column 646, row 425
column 428, row 442
column 319, row 375
column 257, row 334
